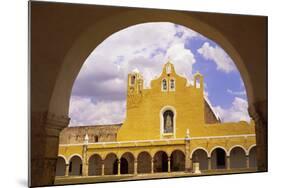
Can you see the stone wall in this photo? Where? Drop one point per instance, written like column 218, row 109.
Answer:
column 96, row 133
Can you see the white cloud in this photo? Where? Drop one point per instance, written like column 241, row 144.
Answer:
column 241, row 93
column 103, row 76
column 182, row 58
column 237, row 112
column 150, row 68
column 142, row 46
column 218, row 55
column 85, row 112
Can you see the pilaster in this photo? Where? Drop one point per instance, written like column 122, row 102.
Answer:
column 258, row 111
column 44, row 139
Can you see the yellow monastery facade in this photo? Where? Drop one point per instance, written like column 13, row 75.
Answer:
column 165, row 131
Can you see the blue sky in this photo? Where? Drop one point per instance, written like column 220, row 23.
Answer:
column 99, row 92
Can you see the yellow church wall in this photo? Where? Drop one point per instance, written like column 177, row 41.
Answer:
column 71, row 150
column 223, row 129
column 144, row 106
column 143, row 119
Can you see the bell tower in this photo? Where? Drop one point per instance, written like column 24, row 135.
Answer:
column 135, row 88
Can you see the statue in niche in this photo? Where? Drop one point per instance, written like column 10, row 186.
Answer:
column 168, row 121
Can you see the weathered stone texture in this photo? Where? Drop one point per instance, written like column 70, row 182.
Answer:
column 75, row 135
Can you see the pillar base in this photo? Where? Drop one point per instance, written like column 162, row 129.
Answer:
column 43, row 172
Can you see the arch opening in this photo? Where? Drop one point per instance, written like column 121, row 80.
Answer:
column 238, row 158
column 218, row 159
column 200, row 156
column 77, row 90
column 60, row 167
column 144, row 163
column 95, row 165
column 75, row 166
column 124, row 166
column 161, row 162
column 111, row 164
column 127, row 163
column 177, row 161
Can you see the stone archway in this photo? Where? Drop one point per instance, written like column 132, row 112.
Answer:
column 238, row 158
column 124, row 168
column 177, row 161
column 75, row 166
column 61, row 166
column 127, row 163
column 111, row 164
column 218, row 158
column 200, row 156
column 160, row 162
column 144, row 163
column 56, row 73
column 95, row 165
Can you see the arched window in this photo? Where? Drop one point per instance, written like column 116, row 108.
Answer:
column 133, row 78
column 172, row 85
column 168, row 117
column 164, row 85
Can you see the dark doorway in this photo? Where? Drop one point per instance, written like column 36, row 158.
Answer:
column 144, row 163
column 124, row 166
column 164, row 162
column 161, row 162
column 220, row 158
column 115, row 167
column 177, row 161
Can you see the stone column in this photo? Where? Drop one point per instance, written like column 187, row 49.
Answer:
column 85, row 157
column 247, row 161
column 258, row 111
column 66, row 169
column 228, row 162
column 102, row 168
column 44, row 140
column 136, row 167
column 119, row 166
column 152, row 165
column 84, row 162
column 169, row 164
column 188, row 162
column 209, row 163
